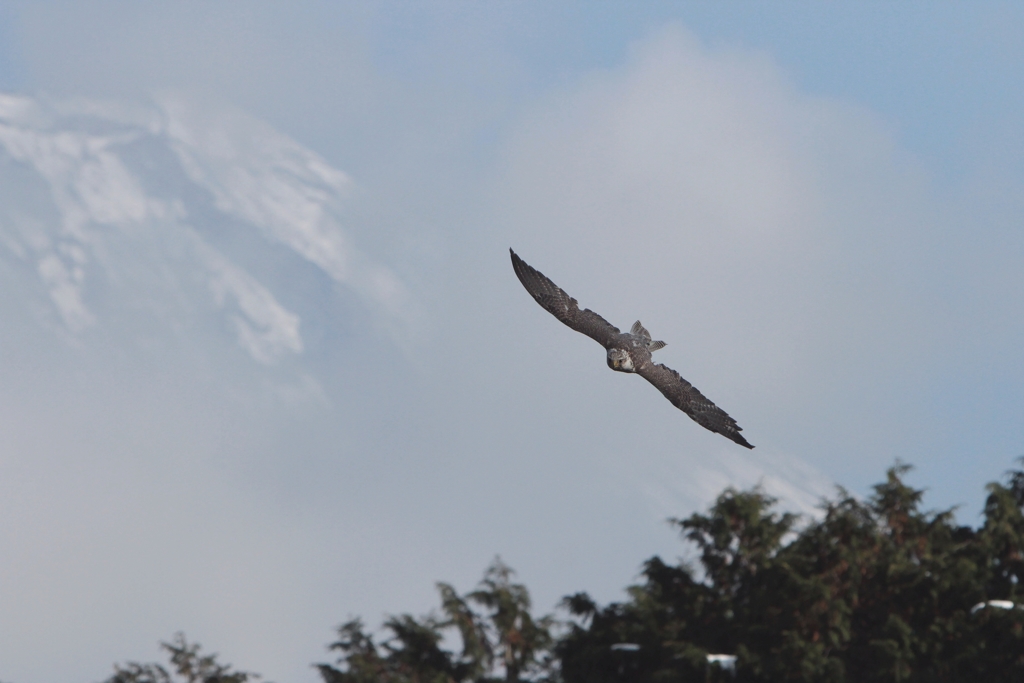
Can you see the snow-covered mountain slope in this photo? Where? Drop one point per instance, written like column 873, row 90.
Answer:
column 155, row 216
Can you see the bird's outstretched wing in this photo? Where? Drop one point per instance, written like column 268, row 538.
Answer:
column 555, row 301
column 685, row 396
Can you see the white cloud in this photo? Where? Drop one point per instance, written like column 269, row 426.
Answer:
column 757, row 229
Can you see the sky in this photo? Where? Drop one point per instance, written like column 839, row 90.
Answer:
column 817, row 206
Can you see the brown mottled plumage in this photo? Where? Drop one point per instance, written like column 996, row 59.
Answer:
column 628, row 352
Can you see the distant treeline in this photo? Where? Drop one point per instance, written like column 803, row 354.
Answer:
column 875, row 590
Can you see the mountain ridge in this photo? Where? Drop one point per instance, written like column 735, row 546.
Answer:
column 155, row 207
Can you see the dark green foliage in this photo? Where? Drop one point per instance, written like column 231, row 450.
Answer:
column 412, row 655
column 502, row 636
column 186, row 662
column 872, row 591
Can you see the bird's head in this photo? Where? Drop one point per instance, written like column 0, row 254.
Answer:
column 620, row 360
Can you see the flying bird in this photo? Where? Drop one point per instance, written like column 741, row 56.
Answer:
column 628, row 352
